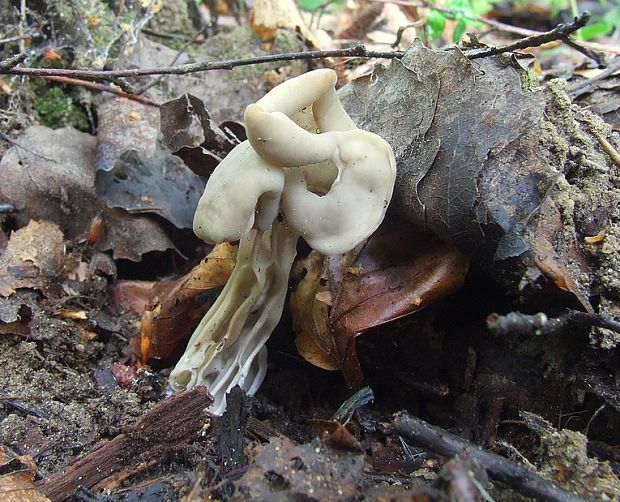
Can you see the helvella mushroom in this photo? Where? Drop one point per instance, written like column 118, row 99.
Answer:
column 305, row 171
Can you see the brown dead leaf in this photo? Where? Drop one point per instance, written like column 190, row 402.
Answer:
column 310, row 313
column 5, row 87
column 17, row 479
column 595, row 239
column 172, row 313
column 270, row 15
column 33, row 256
column 543, row 237
column 403, row 271
column 398, row 271
column 333, row 433
column 72, row 313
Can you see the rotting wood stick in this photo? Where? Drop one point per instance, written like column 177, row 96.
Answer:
column 499, row 468
column 166, row 428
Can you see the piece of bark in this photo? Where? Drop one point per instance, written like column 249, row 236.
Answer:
column 230, row 429
column 166, row 428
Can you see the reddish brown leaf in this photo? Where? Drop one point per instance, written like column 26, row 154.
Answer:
column 173, row 314
column 132, row 295
column 335, row 434
column 400, row 270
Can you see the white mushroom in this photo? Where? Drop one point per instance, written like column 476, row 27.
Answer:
column 332, row 188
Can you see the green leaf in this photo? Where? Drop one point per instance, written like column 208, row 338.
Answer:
column 436, row 23
column 459, row 31
column 310, row 4
column 595, row 30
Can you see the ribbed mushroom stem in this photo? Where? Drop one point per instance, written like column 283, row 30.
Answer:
column 228, row 346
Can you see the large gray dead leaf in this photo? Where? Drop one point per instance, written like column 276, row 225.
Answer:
column 160, row 184
column 478, row 161
column 55, row 180
column 124, row 125
column 473, row 108
column 136, row 172
column 397, row 104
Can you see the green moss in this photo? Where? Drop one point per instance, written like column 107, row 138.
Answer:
column 56, row 109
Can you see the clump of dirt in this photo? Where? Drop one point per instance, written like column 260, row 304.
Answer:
column 564, row 458
column 589, row 201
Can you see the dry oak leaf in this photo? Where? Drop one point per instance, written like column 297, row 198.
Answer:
column 33, row 256
column 270, row 15
column 17, row 479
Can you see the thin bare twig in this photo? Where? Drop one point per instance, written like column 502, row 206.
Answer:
column 179, row 53
column 586, row 51
column 608, row 147
column 539, row 324
column 357, row 51
column 95, row 86
column 507, row 28
column 12, row 62
column 560, row 32
column 16, row 38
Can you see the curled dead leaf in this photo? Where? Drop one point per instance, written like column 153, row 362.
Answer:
column 398, row 271
column 595, row 239
column 310, row 313
column 17, row 479
column 173, row 311
column 335, row 434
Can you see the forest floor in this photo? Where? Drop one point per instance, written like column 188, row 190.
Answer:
column 482, row 313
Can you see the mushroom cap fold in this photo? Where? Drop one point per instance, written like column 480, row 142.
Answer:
column 352, row 205
column 242, row 193
column 357, row 201
column 297, row 93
